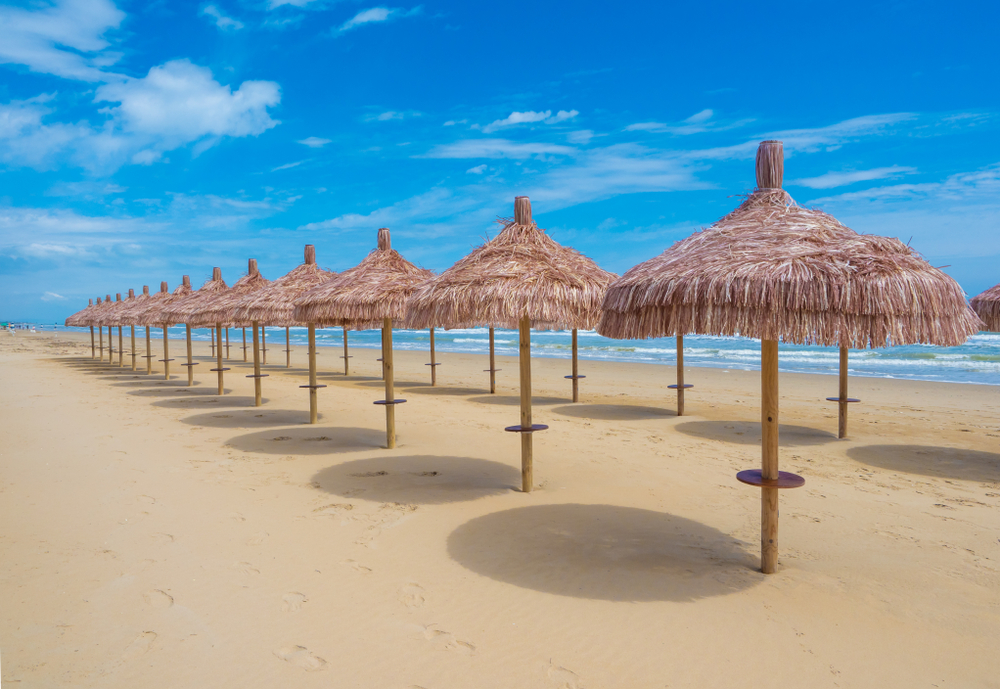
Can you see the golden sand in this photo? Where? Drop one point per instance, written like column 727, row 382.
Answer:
column 155, row 535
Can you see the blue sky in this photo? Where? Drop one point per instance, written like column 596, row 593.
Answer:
column 140, row 141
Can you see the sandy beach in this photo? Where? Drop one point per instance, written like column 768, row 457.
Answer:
column 156, row 535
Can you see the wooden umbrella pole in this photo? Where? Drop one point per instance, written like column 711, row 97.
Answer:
column 493, row 366
column 149, row 355
column 132, row 328
column 212, row 336
column 288, row 348
column 100, row 333
column 227, row 342
column 263, row 344
column 842, row 428
column 218, row 358
column 524, row 356
column 390, row 396
column 347, row 358
column 121, row 349
column 93, row 351
column 769, row 456
column 313, row 398
column 680, row 375
column 576, row 371
column 244, row 344
column 434, row 378
column 190, row 361
column 257, row 401
column 166, row 354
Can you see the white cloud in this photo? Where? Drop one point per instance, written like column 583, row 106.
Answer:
column 221, row 20
column 698, row 123
column 477, row 170
column 52, row 296
column 287, row 166
column 582, row 136
column 314, row 142
column 843, row 178
column 530, row 117
column 65, row 38
column 496, row 148
column 272, row 4
column 376, row 15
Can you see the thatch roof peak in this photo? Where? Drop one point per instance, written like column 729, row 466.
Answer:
column 774, row 270
column 187, row 307
column 520, row 272
column 274, row 304
column 987, row 306
column 80, row 318
column 362, row 296
column 221, row 308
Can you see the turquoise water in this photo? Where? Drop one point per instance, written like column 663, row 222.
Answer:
column 977, row 361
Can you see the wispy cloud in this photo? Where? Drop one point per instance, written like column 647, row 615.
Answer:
column 496, row 148
column 477, row 170
column 287, row 166
column 698, row 123
column 376, row 15
column 392, row 116
column 222, row 21
column 52, row 296
column 845, row 177
column 530, row 117
column 314, row 142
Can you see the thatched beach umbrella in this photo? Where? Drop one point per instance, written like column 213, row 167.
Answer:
column 133, row 307
column 91, row 320
column 773, row 270
column 150, row 313
column 987, row 306
column 221, row 309
column 187, row 309
column 97, row 318
column 372, row 293
column 519, row 279
column 80, row 320
column 275, row 305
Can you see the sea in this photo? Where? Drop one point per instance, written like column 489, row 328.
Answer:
column 977, row 361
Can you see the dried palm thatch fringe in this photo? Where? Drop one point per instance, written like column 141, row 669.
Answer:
column 79, row 319
column 520, row 272
column 274, row 304
column 109, row 316
column 987, row 305
column 222, row 307
column 360, row 297
column 773, row 270
column 185, row 308
column 133, row 306
column 90, row 319
column 150, row 312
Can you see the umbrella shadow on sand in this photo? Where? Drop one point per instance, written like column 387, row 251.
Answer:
column 442, row 391
column 614, row 412
column 310, row 440
column 175, row 388
column 604, row 552
column 208, row 402
column 419, row 479
column 928, row 460
column 511, row 401
column 748, row 433
column 257, row 417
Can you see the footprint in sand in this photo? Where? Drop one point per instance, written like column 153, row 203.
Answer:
column 447, row 641
column 387, row 515
column 163, row 537
column 412, row 595
column 293, row 601
column 236, row 516
column 158, row 599
column 302, row 657
column 282, row 437
column 139, row 645
column 358, row 567
column 257, row 538
column 147, row 499
column 334, row 509
column 246, row 568
column 370, row 474
column 561, row 678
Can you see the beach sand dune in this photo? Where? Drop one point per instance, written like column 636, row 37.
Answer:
column 155, row 535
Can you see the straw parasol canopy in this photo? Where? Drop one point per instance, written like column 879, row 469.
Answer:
column 79, row 319
column 134, row 305
column 522, row 272
column 987, row 305
column 221, row 307
column 109, row 315
column 776, row 271
column 361, row 297
column 185, row 308
column 274, row 304
column 520, row 279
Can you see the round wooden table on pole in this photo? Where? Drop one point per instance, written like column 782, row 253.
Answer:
column 576, row 370
column 219, row 368
column 190, row 357
column 132, row 328
column 166, row 354
column 244, row 344
column 93, row 352
column 493, row 366
column 313, row 396
column 346, row 357
column 433, row 363
column 843, row 400
column 149, row 355
column 390, row 401
column 121, row 347
column 526, row 429
column 680, row 386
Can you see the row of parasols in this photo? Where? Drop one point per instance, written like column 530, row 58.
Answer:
column 770, row 270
